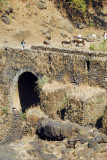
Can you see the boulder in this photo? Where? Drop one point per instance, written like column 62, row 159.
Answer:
column 92, row 143
column 48, row 36
column 47, row 42
column 54, row 130
column 82, row 138
column 9, row 10
column 5, row 19
column 65, row 25
column 41, row 5
column 63, row 34
column 101, row 138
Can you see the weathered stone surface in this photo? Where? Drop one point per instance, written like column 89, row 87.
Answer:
column 47, row 42
column 55, row 130
column 76, row 104
column 82, row 138
column 41, row 5
column 48, row 36
column 5, row 19
column 92, row 143
column 101, row 138
column 65, row 25
column 71, row 143
column 58, row 64
column 101, row 148
column 9, row 10
column 63, row 34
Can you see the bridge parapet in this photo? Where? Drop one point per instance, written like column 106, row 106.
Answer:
column 78, row 67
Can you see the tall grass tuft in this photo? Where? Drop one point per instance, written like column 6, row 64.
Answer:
column 99, row 47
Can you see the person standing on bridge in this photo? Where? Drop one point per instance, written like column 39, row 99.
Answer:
column 23, row 43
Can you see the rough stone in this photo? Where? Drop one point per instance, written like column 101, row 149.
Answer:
column 5, row 19
column 101, row 138
column 55, row 130
column 9, row 10
column 71, row 143
column 63, row 34
column 58, row 63
column 41, row 5
column 65, row 25
column 82, row 138
column 92, row 143
column 47, row 42
column 48, row 36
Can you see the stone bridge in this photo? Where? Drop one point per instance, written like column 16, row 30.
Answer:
column 20, row 69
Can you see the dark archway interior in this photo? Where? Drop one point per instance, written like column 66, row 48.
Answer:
column 28, row 90
column 99, row 123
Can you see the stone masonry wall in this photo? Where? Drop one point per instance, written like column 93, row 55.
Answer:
column 77, row 66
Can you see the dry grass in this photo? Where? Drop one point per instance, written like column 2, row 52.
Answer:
column 34, row 114
column 99, row 47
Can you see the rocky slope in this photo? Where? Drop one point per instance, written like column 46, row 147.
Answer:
column 36, row 21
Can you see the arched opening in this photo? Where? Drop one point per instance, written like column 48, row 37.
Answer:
column 28, row 90
column 99, row 123
column 88, row 65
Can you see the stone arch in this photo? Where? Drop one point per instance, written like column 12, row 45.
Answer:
column 14, row 93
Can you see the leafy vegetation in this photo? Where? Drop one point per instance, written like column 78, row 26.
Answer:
column 5, row 110
column 99, row 47
column 2, row 3
column 43, row 81
column 91, row 23
column 79, row 5
column 23, row 115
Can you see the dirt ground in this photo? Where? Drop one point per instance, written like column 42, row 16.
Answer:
column 27, row 16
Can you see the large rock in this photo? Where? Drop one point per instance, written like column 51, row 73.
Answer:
column 47, row 42
column 48, row 36
column 5, row 19
column 41, row 4
column 9, row 10
column 54, row 130
column 65, row 25
column 101, row 138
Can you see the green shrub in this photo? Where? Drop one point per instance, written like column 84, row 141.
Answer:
column 99, row 47
column 23, row 115
column 5, row 110
column 2, row 3
column 91, row 23
column 42, row 81
column 92, row 47
column 79, row 5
